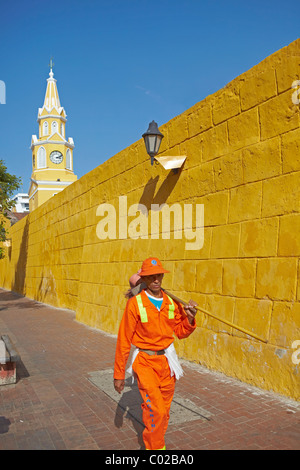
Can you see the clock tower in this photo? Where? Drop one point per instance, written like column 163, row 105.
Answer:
column 52, row 154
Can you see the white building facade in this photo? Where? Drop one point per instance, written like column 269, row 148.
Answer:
column 22, row 202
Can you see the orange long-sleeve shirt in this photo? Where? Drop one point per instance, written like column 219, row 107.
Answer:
column 155, row 334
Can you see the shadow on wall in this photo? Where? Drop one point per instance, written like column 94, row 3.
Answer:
column 20, row 270
column 149, row 197
column 46, row 289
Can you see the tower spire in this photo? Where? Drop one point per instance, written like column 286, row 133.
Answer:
column 51, row 97
column 51, row 101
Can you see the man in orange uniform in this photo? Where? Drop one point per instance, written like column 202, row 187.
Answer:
column 148, row 322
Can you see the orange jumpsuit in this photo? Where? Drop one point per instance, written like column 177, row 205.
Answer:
column 153, row 373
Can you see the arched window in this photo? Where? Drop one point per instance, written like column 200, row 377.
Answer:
column 53, row 127
column 41, row 158
column 62, row 130
column 69, row 160
column 45, row 128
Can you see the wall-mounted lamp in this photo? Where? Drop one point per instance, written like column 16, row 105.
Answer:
column 153, row 138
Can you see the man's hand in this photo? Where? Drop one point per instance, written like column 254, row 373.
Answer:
column 119, row 385
column 190, row 311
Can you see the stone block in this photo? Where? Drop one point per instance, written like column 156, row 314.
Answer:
column 178, row 130
column 285, row 326
column 281, row 195
column 253, row 315
column 223, row 307
column 215, row 208
column 214, row 142
column 257, row 88
column 200, row 118
column 276, row 278
column 262, row 160
column 288, row 67
column 184, row 275
column 290, row 148
column 289, row 235
column 200, row 180
column 245, row 202
column 171, row 248
column 278, row 115
column 259, row 238
column 226, row 103
column 225, row 241
column 228, row 171
column 204, row 252
column 243, row 130
column 209, row 276
column 239, row 277
column 193, row 150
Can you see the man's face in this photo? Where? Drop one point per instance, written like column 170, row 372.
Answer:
column 153, row 282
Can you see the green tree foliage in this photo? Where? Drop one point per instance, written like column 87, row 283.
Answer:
column 8, row 184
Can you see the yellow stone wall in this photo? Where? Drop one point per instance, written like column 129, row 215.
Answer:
column 243, row 164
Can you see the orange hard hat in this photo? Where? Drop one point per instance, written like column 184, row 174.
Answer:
column 152, row 266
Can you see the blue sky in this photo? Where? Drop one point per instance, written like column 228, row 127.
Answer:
column 119, row 64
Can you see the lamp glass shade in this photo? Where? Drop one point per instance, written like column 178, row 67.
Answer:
column 152, row 138
column 152, row 143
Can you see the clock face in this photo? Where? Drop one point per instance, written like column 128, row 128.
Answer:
column 56, row 157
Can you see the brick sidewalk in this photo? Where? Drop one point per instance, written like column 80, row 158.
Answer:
column 54, row 404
